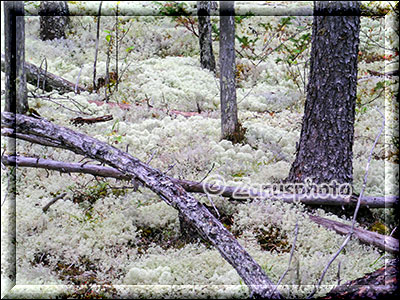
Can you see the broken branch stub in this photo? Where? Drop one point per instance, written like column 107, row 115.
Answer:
column 173, row 194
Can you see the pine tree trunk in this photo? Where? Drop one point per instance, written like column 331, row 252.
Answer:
column 53, row 19
column 324, row 152
column 207, row 59
column 229, row 118
column 16, row 96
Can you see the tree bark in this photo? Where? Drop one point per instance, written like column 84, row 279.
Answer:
column 324, row 152
column 207, row 59
column 54, row 19
column 49, row 80
column 173, row 194
column 14, row 31
column 229, row 118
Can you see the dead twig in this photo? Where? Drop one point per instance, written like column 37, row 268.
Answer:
column 296, row 231
column 44, row 60
column 208, row 173
column 151, row 157
column 77, row 81
column 47, row 206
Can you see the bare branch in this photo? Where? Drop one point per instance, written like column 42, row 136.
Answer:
column 380, row 241
column 47, row 206
column 231, row 192
column 296, row 231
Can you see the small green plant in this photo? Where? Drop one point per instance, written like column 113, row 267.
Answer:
column 295, row 48
column 114, row 137
column 294, row 51
column 172, row 8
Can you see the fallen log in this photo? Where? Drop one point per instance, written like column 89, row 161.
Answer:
column 173, row 194
column 308, row 199
column 51, row 81
column 380, row 284
column 380, row 241
column 231, row 192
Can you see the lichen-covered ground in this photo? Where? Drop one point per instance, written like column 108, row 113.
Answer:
column 128, row 243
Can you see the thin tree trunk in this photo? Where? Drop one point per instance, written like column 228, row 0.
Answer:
column 230, row 128
column 116, row 48
column 16, row 101
column 324, row 152
column 383, row 242
column 97, row 46
column 14, row 31
column 207, row 59
column 173, row 194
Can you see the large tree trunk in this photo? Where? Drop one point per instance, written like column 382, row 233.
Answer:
column 230, row 127
column 207, row 59
column 324, row 152
column 14, row 31
column 173, row 194
column 54, row 19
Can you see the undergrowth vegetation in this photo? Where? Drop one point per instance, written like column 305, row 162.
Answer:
column 125, row 239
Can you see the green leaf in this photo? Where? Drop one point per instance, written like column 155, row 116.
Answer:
column 380, row 85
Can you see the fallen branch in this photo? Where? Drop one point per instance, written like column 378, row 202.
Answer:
column 383, row 242
column 81, row 121
column 380, row 241
column 52, row 81
column 63, row 167
column 308, row 199
column 47, row 206
column 190, row 186
column 173, row 194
